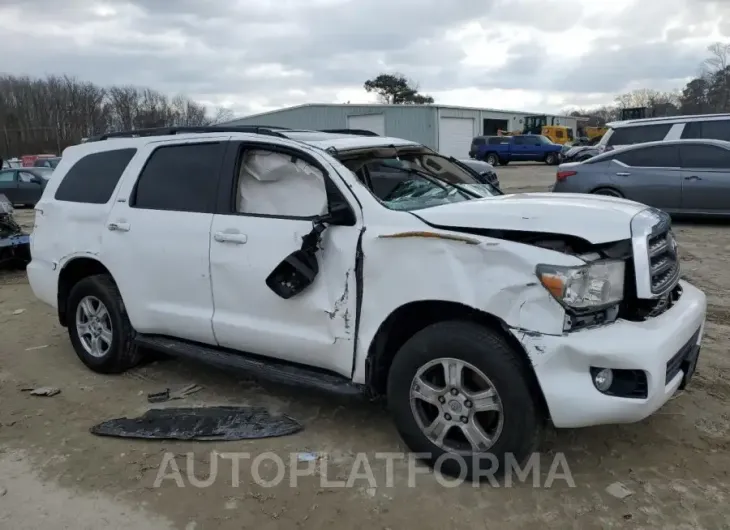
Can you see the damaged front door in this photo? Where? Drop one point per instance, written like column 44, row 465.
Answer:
column 278, row 193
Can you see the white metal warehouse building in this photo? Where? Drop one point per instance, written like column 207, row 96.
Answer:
column 447, row 129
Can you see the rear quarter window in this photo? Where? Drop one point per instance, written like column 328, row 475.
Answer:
column 639, row 134
column 711, row 129
column 478, row 141
column 92, row 178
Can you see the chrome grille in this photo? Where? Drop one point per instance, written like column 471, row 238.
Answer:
column 663, row 260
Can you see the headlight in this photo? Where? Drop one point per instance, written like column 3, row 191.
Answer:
column 590, row 286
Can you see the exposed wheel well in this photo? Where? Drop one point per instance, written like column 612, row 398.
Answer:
column 75, row 271
column 608, row 188
column 408, row 319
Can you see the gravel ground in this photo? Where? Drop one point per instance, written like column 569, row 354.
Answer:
column 54, row 474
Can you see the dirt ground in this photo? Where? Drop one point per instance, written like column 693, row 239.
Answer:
column 54, row 474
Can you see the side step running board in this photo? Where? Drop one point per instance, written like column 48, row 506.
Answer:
column 274, row 371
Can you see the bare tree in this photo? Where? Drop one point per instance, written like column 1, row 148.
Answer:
column 46, row 115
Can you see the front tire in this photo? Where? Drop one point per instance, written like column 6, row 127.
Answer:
column 459, row 393
column 98, row 326
column 492, row 159
column 551, row 159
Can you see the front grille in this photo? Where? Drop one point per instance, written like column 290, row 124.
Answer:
column 674, row 365
column 663, row 261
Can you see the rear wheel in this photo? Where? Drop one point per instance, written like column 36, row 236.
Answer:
column 608, row 191
column 459, row 394
column 492, row 159
column 98, row 326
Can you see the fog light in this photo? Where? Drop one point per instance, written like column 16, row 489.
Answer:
column 603, row 379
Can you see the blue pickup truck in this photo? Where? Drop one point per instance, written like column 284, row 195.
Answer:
column 521, row 148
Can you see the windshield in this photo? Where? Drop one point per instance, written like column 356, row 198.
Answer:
column 419, row 180
column 544, row 139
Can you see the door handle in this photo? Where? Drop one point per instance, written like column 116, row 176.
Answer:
column 693, row 177
column 230, row 237
column 118, row 227
column 623, row 174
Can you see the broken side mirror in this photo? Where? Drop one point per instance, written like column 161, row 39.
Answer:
column 300, row 268
column 340, row 214
column 294, row 274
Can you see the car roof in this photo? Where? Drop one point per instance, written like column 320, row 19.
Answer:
column 686, row 141
column 334, row 141
column 667, row 119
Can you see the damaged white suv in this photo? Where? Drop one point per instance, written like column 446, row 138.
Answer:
column 370, row 266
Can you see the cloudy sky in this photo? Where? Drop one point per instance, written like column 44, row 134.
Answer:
column 256, row 55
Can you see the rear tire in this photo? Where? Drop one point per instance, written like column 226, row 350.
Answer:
column 491, row 159
column 458, row 408
column 610, row 192
column 98, row 326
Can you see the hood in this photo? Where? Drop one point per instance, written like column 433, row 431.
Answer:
column 595, row 218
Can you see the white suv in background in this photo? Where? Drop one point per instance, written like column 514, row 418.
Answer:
column 476, row 315
column 629, row 132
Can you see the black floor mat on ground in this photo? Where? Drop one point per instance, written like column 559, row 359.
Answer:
column 203, row 423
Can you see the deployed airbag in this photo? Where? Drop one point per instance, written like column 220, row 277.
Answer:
column 200, row 423
column 278, row 184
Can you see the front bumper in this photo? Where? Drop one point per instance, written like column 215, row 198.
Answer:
column 562, row 363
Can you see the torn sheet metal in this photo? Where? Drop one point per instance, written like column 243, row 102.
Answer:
column 495, row 276
column 222, row 423
column 14, row 243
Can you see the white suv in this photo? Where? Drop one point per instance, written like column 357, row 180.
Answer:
column 476, row 315
column 630, row 132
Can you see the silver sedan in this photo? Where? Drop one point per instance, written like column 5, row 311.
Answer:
column 678, row 176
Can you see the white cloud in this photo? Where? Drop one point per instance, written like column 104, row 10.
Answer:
column 539, row 55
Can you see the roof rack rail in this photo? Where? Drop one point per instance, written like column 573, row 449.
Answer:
column 356, row 132
column 165, row 131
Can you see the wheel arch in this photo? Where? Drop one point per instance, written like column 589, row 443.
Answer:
column 73, row 271
column 412, row 317
column 609, row 188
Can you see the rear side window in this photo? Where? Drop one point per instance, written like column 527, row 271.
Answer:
column 181, row 178
column 496, row 140
column 705, row 157
column 713, row 130
column 93, row 178
column 639, row 134
column 654, row 156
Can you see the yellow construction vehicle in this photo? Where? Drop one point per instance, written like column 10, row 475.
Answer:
column 593, row 134
column 558, row 134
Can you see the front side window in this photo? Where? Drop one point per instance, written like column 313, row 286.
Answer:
column 705, row 157
column 279, row 185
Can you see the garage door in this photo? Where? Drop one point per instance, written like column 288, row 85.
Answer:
column 455, row 136
column 369, row 122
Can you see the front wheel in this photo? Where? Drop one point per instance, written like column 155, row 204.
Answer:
column 459, row 394
column 98, row 326
column 492, row 159
column 551, row 159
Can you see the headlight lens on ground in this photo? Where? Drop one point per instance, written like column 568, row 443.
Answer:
column 595, row 285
